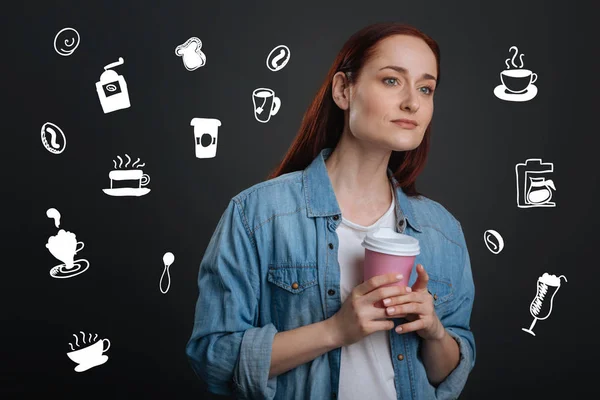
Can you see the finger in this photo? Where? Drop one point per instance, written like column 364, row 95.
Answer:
column 376, row 281
column 391, row 300
column 412, row 297
column 413, row 326
column 376, row 296
column 422, row 279
column 410, row 308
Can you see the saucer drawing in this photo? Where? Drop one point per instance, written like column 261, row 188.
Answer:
column 79, row 266
column 126, row 191
column 502, row 93
column 99, row 361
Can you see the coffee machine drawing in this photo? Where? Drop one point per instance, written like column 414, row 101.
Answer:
column 112, row 89
column 533, row 189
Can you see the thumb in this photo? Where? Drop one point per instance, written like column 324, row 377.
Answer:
column 422, row 279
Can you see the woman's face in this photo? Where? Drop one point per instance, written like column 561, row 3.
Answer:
column 396, row 83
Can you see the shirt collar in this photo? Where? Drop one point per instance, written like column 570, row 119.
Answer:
column 320, row 197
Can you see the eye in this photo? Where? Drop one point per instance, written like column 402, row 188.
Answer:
column 429, row 90
column 390, row 78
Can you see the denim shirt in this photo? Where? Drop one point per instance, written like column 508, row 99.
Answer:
column 271, row 265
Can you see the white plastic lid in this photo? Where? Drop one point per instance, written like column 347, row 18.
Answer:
column 388, row 241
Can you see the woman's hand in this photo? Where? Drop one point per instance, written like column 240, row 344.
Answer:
column 417, row 307
column 363, row 312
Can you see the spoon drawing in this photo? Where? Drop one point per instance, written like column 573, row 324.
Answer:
column 168, row 259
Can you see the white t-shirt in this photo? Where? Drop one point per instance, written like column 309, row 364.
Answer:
column 366, row 370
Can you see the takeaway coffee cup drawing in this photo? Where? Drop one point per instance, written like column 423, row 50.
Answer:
column 128, row 181
column 91, row 355
column 388, row 251
column 206, row 131
column 265, row 104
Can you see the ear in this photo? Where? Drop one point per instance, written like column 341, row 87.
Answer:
column 340, row 90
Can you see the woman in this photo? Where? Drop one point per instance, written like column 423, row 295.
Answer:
column 282, row 311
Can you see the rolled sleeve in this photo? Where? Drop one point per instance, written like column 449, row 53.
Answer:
column 227, row 348
column 457, row 324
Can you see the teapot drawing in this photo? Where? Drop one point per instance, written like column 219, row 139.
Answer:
column 539, row 191
column 191, row 54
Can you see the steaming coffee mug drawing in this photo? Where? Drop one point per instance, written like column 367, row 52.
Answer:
column 53, row 138
column 191, row 54
column 541, row 306
column 265, row 104
column 168, row 259
column 278, row 57
column 64, row 246
column 533, row 187
column 517, row 84
column 493, row 241
column 128, row 181
column 88, row 354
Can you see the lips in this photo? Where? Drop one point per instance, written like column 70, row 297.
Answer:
column 405, row 123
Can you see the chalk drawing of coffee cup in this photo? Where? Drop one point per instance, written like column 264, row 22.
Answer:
column 64, row 246
column 517, row 83
column 265, row 104
column 129, row 181
column 91, row 355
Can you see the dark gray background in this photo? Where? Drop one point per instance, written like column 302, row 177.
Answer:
column 477, row 140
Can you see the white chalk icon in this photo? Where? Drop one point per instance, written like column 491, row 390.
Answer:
column 66, row 41
column 533, row 189
column 55, row 215
column 541, row 306
column 517, row 84
column 191, row 54
column 493, row 241
column 112, row 89
column 265, row 104
column 91, row 355
column 128, row 181
column 64, row 246
column 53, row 138
column 206, row 131
column 168, row 259
column 278, row 57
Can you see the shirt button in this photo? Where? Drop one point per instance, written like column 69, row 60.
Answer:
column 331, row 292
column 401, row 222
column 295, row 285
column 335, row 217
column 400, row 357
column 331, row 245
column 435, row 296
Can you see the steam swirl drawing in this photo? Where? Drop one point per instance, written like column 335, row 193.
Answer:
column 127, row 181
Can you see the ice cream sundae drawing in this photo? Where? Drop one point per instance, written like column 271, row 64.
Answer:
column 88, row 351
column 541, row 306
column 64, row 246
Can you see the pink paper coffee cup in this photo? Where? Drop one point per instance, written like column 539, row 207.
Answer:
column 387, row 251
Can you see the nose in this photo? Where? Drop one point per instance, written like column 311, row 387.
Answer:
column 410, row 101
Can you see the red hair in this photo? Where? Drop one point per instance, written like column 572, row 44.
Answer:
column 323, row 122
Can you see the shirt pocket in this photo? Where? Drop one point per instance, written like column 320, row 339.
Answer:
column 295, row 295
column 440, row 287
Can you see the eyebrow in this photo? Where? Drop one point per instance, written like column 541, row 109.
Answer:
column 404, row 71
